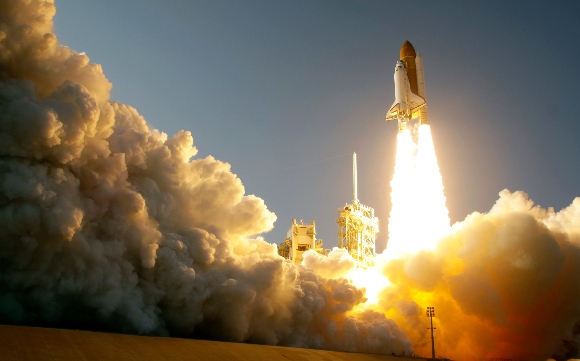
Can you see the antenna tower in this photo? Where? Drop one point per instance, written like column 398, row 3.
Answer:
column 357, row 227
column 354, row 185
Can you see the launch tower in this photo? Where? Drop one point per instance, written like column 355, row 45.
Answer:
column 357, row 227
column 299, row 239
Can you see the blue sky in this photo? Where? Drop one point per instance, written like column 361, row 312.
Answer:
column 285, row 91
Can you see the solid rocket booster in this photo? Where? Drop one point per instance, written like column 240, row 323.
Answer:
column 410, row 98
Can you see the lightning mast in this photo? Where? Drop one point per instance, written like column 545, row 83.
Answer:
column 357, row 227
column 354, row 185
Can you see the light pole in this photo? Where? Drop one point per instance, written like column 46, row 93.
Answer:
column 431, row 314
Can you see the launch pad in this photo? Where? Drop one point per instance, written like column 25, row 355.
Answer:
column 357, row 229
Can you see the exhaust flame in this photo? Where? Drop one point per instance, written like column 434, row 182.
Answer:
column 433, row 213
column 419, row 216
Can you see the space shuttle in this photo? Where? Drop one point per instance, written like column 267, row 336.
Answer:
column 410, row 100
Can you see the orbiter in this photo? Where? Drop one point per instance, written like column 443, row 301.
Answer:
column 410, row 100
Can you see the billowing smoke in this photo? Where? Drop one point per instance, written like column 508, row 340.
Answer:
column 505, row 284
column 107, row 224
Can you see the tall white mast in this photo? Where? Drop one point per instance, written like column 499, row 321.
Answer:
column 354, row 177
column 357, row 227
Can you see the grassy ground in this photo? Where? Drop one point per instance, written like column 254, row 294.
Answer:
column 19, row 343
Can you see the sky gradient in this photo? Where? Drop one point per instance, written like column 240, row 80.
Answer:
column 286, row 91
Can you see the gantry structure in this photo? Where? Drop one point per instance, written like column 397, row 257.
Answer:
column 299, row 239
column 357, row 227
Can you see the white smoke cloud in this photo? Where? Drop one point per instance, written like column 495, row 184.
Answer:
column 107, row 224
column 338, row 264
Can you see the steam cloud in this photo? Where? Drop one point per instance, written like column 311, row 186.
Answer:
column 108, row 224
column 504, row 285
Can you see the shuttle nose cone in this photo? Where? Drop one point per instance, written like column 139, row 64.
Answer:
column 407, row 50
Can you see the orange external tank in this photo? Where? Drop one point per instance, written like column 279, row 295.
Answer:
column 408, row 55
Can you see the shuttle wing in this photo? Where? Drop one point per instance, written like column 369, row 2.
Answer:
column 406, row 111
column 394, row 111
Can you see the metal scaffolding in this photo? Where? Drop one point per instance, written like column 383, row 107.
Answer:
column 299, row 239
column 357, row 227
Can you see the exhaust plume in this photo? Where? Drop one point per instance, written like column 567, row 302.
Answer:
column 418, row 216
column 108, row 224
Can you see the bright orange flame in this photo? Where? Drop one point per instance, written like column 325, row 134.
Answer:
column 419, row 216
